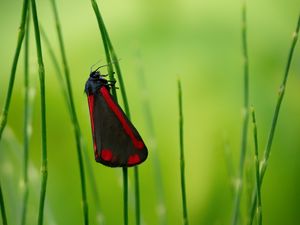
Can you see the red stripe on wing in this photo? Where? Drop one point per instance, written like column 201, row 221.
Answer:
column 91, row 109
column 107, row 97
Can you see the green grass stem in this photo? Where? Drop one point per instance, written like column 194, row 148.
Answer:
column 2, row 208
column 127, row 111
column 182, row 162
column 44, row 167
column 114, row 94
column 21, row 34
column 111, row 58
column 73, row 114
column 62, row 83
column 27, row 123
column 264, row 161
column 105, row 44
column 239, row 182
column 125, row 195
column 259, row 208
column 5, row 110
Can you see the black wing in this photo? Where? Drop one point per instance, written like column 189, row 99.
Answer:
column 117, row 142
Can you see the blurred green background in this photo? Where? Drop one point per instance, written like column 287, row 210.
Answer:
column 200, row 41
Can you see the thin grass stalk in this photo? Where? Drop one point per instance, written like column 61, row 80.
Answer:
column 111, row 54
column 26, row 123
column 127, row 111
column 2, row 208
column 264, row 161
column 21, row 34
column 44, row 167
column 105, row 44
column 73, row 115
column 239, row 183
column 259, row 208
column 63, row 88
column 137, row 197
column 182, row 162
column 161, row 206
column 125, row 195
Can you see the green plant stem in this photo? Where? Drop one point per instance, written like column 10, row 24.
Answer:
column 26, row 123
column 125, row 195
column 2, row 208
column 21, row 34
column 126, row 109
column 137, row 196
column 44, row 167
column 259, row 208
column 105, row 44
column 72, row 114
column 264, row 161
column 111, row 55
column 182, row 162
column 63, row 88
column 239, row 183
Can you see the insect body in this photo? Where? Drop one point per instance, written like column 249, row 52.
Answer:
column 117, row 143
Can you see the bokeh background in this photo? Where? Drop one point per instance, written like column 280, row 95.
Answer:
column 199, row 41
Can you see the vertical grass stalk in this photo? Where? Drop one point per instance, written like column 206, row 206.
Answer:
column 239, row 182
column 264, row 161
column 21, row 34
column 105, row 44
column 112, row 57
column 126, row 109
column 72, row 114
column 2, row 208
column 5, row 110
column 44, row 167
column 182, row 162
column 259, row 208
column 64, row 91
column 26, row 123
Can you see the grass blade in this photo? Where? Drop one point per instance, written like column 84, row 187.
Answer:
column 105, row 44
column 27, row 123
column 73, row 114
column 259, row 208
column 21, row 34
column 239, row 183
column 182, row 162
column 44, row 167
column 63, row 88
column 264, row 162
column 112, row 57
column 2, row 208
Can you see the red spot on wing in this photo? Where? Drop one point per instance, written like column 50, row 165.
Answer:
column 91, row 109
column 133, row 159
column 107, row 97
column 106, row 154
